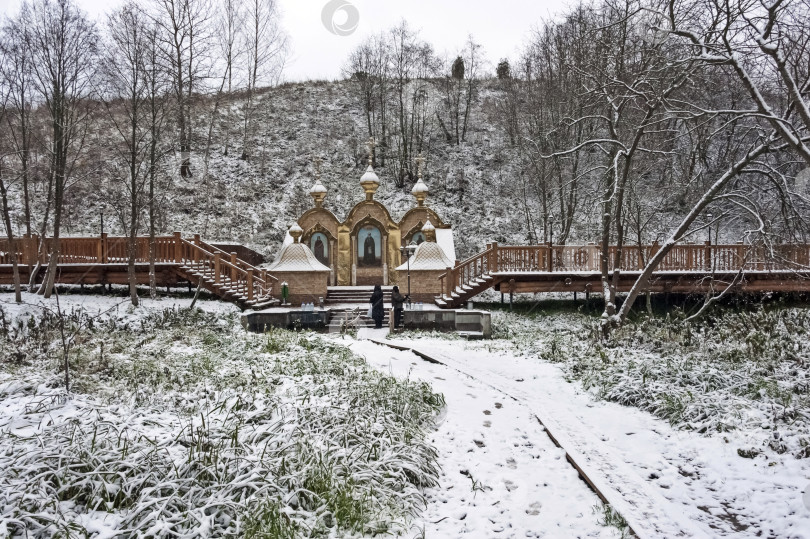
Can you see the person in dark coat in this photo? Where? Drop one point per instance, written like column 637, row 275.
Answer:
column 397, row 302
column 377, row 307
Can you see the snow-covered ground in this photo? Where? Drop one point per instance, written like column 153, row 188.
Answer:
column 666, row 481
column 179, row 422
column 501, row 474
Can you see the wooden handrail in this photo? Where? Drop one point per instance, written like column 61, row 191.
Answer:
column 243, row 277
column 227, row 269
column 243, row 264
column 567, row 258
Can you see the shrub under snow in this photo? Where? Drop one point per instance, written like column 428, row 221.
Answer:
column 747, row 371
column 180, row 425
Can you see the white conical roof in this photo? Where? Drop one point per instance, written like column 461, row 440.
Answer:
column 296, row 257
column 428, row 227
column 428, row 256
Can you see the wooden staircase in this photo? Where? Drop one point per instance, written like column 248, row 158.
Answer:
column 224, row 275
column 469, row 278
column 460, row 294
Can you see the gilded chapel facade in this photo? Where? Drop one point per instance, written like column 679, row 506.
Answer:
column 364, row 248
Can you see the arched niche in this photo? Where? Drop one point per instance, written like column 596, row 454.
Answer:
column 369, row 251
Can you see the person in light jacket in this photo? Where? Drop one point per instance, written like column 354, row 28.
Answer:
column 377, row 307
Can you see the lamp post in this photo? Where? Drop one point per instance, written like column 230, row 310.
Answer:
column 709, row 226
column 407, row 251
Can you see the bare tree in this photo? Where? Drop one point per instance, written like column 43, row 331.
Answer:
column 16, row 71
column 185, row 38
column 4, row 99
column 265, row 46
column 766, row 46
column 63, row 48
column 412, row 64
column 126, row 65
column 229, row 23
column 157, row 83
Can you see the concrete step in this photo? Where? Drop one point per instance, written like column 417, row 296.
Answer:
column 358, row 319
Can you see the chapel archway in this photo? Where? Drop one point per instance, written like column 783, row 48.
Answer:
column 369, row 247
column 324, row 246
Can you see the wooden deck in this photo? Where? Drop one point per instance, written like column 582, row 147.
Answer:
column 178, row 261
column 515, row 269
column 576, row 268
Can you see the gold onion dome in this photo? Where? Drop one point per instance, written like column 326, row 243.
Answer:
column 318, row 192
column 430, row 231
column 296, row 232
column 370, row 182
column 420, row 191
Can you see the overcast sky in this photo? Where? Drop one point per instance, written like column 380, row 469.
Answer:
column 501, row 27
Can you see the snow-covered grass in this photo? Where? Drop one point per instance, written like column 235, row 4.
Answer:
column 179, row 423
column 743, row 370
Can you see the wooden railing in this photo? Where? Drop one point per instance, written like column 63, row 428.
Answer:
column 225, row 269
column 548, row 258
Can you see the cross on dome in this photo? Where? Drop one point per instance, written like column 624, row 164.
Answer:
column 317, row 191
column 420, row 164
column 370, row 144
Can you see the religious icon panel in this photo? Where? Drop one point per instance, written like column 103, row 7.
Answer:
column 369, row 247
column 319, row 244
column 418, row 238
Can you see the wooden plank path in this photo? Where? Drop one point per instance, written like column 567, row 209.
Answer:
column 103, row 260
column 514, row 269
column 646, row 511
column 576, row 268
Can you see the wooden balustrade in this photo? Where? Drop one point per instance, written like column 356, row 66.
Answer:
column 240, row 277
column 587, row 258
column 224, row 269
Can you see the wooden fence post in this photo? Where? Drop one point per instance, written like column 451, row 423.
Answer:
column 178, row 248
column 707, row 254
column 103, row 244
column 550, row 257
column 250, row 284
column 690, row 259
column 35, row 249
column 494, row 265
column 196, row 254
column 233, row 267
column 26, row 256
column 217, row 258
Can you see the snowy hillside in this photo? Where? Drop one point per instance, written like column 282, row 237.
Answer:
column 475, row 186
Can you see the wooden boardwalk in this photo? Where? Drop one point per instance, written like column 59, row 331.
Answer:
column 690, row 268
column 178, row 261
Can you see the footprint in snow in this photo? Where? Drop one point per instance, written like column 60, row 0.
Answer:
column 487, row 424
column 498, row 405
column 487, row 412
